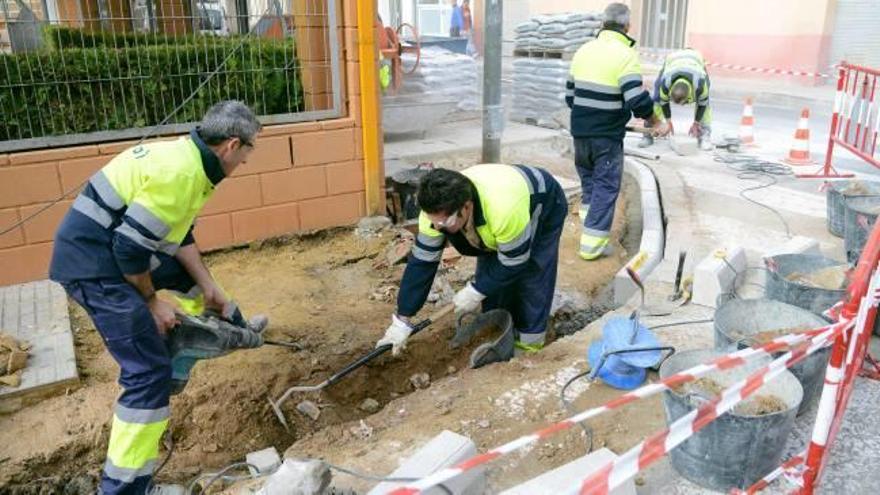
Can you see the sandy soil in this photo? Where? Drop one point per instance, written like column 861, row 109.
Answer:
column 324, row 292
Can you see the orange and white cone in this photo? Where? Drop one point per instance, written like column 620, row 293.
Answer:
column 747, row 125
column 800, row 148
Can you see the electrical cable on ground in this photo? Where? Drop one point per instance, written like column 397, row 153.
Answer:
column 169, row 445
column 149, row 133
column 568, row 407
column 213, row 477
column 753, row 168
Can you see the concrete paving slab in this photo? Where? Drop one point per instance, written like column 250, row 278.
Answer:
column 37, row 313
column 563, row 477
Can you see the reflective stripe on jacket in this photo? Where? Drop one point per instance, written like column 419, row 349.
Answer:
column 605, row 87
column 688, row 66
column 141, row 203
column 509, row 204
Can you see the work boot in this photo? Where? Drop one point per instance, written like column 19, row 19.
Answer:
column 608, row 250
column 166, row 489
column 706, row 143
column 647, row 140
column 520, row 349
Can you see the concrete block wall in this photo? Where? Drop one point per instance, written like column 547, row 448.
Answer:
column 301, row 177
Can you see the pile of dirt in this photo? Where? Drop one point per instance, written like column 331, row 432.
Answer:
column 706, row 388
column 831, row 278
column 856, row 188
column 13, row 359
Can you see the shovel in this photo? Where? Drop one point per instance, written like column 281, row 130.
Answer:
column 339, row 375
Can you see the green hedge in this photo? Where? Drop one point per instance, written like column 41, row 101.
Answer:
column 65, row 38
column 60, row 91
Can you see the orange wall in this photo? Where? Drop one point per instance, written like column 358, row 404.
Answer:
column 787, row 34
column 301, row 177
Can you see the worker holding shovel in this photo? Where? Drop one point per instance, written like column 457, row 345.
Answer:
column 511, row 218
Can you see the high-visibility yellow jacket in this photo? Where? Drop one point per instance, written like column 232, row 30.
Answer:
column 688, row 66
column 142, row 203
column 605, row 87
column 510, row 204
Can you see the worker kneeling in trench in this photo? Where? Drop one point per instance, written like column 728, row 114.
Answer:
column 511, row 218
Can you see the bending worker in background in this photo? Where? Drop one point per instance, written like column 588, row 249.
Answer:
column 510, row 217
column 129, row 234
column 682, row 80
column 603, row 91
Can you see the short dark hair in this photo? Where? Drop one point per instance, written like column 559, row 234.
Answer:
column 678, row 93
column 444, row 191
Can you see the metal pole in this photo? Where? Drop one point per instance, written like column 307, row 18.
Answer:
column 493, row 112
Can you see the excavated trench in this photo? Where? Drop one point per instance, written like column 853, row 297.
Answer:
column 224, row 412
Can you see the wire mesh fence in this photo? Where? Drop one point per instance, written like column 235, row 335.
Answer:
column 76, row 71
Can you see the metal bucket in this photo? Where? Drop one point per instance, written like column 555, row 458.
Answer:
column 778, row 287
column 861, row 212
column 835, row 197
column 735, row 450
column 738, row 320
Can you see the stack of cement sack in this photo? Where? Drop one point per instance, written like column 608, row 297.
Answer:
column 539, row 82
column 539, row 90
column 443, row 75
column 558, row 32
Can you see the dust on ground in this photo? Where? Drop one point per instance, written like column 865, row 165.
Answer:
column 322, row 291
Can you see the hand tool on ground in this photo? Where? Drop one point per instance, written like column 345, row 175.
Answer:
column 339, row 375
column 677, row 289
column 642, row 309
column 204, row 337
column 729, row 143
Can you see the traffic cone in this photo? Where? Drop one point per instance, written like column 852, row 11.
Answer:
column 747, row 125
column 800, row 147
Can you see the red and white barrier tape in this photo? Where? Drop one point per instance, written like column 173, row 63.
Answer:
column 614, row 474
column 764, row 482
column 719, row 364
column 745, row 68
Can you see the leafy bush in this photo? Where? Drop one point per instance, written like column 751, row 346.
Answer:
column 117, row 83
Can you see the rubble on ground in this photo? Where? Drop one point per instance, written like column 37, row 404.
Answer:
column 13, row 359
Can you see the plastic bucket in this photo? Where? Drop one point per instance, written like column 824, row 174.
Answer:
column 780, row 285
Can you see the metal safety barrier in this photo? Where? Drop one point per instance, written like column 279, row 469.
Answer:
column 855, row 122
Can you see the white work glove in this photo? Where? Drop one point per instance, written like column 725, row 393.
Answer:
column 467, row 300
column 396, row 335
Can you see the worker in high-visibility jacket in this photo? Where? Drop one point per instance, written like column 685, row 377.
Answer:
column 510, row 217
column 683, row 80
column 603, row 91
column 129, row 234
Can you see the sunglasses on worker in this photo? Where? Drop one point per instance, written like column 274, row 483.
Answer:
column 449, row 222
